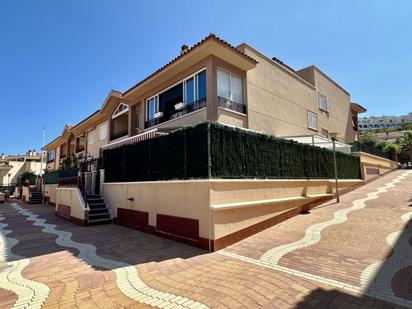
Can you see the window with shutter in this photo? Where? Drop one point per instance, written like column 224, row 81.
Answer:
column 323, row 103
column 312, row 121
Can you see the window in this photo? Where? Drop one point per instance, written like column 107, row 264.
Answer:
column 152, row 106
column 312, row 121
column 229, row 86
column 189, row 90
column 63, row 151
column 80, row 144
column 51, row 155
column 194, row 88
column 325, row 132
column 92, row 137
column 103, row 131
column 201, row 85
column 324, row 103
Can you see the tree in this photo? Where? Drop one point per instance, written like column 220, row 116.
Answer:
column 393, row 148
column 406, row 126
column 368, row 138
column 406, row 144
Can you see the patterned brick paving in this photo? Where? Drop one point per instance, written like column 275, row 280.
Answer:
column 362, row 236
column 315, row 276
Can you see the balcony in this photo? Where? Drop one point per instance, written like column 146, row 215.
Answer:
column 184, row 110
column 234, row 106
column 119, row 134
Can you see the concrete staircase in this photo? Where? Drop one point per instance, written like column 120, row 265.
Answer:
column 36, row 197
column 99, row 213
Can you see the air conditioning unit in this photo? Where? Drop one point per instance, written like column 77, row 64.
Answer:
column 158, row 115
column 179, row 106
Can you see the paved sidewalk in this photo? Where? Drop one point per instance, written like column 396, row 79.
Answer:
column 354, row 254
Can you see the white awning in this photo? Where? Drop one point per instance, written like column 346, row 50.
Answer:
column 133, row 139
column 320, row 141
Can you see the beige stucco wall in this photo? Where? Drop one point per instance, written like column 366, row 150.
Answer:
column 230, row 198
column 201, row 199
column 231, row 118
column 50, row 191
column 337, row 119
column 26, row 193
column 71, row 197
column 94, row 149
column 369, row 161
column 189, row 199
column 18, row 168
column 277, row 100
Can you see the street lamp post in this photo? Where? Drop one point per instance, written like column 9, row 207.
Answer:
column 8, row 184
column 333, row 137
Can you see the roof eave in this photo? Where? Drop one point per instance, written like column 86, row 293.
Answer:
column 210, row 46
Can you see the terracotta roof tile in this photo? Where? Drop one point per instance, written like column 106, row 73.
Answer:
column 211, row 36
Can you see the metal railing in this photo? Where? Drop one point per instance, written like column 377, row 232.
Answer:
column 371, row 150
column 69, row 182
column 234, row 106
column 187, row 109
column 119, row 134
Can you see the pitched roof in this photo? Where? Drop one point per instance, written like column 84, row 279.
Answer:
column 211, row 36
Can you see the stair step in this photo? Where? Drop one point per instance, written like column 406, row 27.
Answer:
column 98, row 211
column 97, row 206
column 99, row 216
column 97, row 201
column 108, row 220
column 93, row 196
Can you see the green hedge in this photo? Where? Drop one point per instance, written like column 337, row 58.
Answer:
column 238, row 153
column 232, row 153
column 53, row 177
column 179, row 155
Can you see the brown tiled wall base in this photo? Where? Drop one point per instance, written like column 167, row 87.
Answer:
column 202, row 243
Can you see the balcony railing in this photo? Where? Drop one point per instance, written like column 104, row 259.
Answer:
column 234, row 106
column 119, row 134
column 187, row 109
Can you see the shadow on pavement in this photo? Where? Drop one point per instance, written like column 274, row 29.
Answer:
column 112, row 241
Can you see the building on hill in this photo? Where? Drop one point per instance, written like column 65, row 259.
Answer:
column 384, row 122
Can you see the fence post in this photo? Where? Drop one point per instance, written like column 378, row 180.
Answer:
column 101, row 181
column 209, row 159
column 184, row 153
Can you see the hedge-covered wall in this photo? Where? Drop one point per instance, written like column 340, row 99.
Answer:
column 53, row 177
column 238, row 153
column 179, row 155
column 232, row 153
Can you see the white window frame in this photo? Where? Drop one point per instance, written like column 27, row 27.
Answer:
column 230, row 85
column 183, row 81
column 91, row 133
column 309, row 115
column 327, row 102
column 156, row 98
column 54, row 155
column 117, row 112
column 103, row 128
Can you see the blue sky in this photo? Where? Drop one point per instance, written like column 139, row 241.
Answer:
column 59, row 59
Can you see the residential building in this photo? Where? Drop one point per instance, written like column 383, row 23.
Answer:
column 12, row 166
column 383, row 122
column 211, row 81
column 215, row 81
